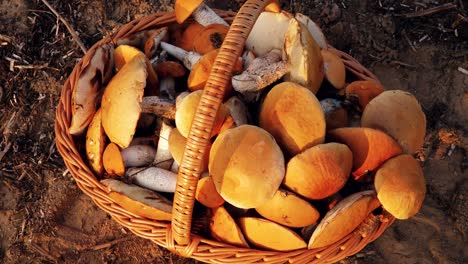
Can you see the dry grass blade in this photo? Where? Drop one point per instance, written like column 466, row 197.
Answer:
column 430, row 11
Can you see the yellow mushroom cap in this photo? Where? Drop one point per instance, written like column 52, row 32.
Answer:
column 121, row 101
column 319, row 171
column 401, row 186
column 399, row 114
column 113, row 161
column 95, row 143
column 177, row 144
column 206, row 193
column 224, row 228
column 335, row 70
column 247, row 166
column 293, row 115
column 184, row 8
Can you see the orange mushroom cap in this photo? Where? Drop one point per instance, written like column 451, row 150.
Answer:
column 210, row 38
column 184, row 8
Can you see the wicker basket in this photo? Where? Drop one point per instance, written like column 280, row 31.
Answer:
column 176, row 235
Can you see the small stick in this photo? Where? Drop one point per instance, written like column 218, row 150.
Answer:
column 464, row 71
column 109, row 244
column 34, row 67
column 431, row 11
column 43, row 252
column 68, row 26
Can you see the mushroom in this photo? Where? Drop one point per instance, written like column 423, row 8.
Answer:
column 400, row 186
column 139, row 201
column 188, row 36
column 121, row 101
column 124, row 53
column 319, row 171
column 115, row 161
column 261, row 72
column 360, row 93
column 247, row 57
column 247, row 166
column 158, row 106
column 153, row 178
column 287, row 209
column 200, row 12
column 210, row 38
column 177, row 144
column 370, row 147
column 95, row 143
column 303, row 54
column 269, row 235
column 238, row 110
column 199, row 65
column 335, row 70
column 151, row 45
column 336, row 115
column 163, row 158
column 346, row 216
column 398, row 114
column 186, row 112
column 223, row 228
column 206, row 193
column 268, row 33
column 137, row 39
column 314, row 30
column 97, row 71
column 283, row 114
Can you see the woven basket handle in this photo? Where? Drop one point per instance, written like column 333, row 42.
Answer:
column 220, row 76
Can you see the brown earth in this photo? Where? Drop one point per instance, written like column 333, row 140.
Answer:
column 45, row 218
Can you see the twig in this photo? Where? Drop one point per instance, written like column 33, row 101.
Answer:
column 431, row 11
column 43, row 252
column 5, row 150
column 34, row 67
column 464, row 71
column 397, row 62
column 70, row 29
column 110, row 244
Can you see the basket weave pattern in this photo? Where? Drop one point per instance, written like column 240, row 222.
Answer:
column 176, row 235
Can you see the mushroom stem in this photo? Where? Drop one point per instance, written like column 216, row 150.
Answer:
column 205, row 16
column 163, row 158
column 238, row 110
column 153, row 178
column 188, row 58
column 262, row 71
column 158, row 106
column 138, row 155
column 175, row 167
column 167, row 88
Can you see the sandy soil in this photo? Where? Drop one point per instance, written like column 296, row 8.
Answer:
column 45, row 218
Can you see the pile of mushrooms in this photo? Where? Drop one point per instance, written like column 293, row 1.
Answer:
column 300, row 148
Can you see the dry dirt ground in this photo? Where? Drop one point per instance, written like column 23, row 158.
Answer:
column 44, row 217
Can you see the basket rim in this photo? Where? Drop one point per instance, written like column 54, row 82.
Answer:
column 204, row 249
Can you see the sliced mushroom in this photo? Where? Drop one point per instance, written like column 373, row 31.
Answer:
column 247, row 166
column 343, row 218
column 153, row 178
column 200, row 12
column 314, row 30
column 283, row 114
column 269, row 235
column 121, row 101
column 287, row 209
column 95, row 143
column 224, row 228
column 206, row 193
column 370, row 147
column 125, row 53
column 139, row 201
column 96, row 73
column 303, row 54
column 265, row 37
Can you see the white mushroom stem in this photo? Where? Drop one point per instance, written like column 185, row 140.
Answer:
column 167, row 88
column 163, row 158
column 162, row 56
column 205, row 16
column 188, row 58
column 138, row 155
column 238, row 110
column 247, row 58
column 153, row 178
column 158, row 106
column 262, row 71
